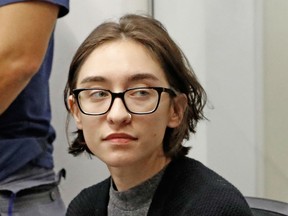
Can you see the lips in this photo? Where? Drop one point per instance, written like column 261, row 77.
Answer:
column 119, row 138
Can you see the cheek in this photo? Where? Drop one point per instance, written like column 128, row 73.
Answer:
column 90, row 126
column 155, row 127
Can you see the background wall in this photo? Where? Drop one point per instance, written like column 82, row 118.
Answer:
column 223, row 41
column 219, row 39
column 275, row 57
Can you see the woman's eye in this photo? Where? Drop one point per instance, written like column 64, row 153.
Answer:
column 99, row 94
column 141, row 93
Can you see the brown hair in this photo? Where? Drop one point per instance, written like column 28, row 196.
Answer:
column 151, row 34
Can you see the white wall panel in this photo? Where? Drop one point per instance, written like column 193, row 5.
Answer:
column 185, row 22
column 219, row 38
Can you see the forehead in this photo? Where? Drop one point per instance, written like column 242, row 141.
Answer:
column 120, row 60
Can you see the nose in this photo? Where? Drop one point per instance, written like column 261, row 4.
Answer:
column 118, row 114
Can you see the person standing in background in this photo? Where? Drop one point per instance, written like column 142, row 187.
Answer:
column 28, row 183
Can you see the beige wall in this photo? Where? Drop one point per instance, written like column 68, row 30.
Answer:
column 275, row 64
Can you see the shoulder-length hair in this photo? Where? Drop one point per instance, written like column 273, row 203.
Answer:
column 151, row 34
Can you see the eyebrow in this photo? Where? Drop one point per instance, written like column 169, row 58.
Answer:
column 92, row 79
column 143, row 76
column 133, row 78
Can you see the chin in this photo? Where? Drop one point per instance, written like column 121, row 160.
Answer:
column 119, row 161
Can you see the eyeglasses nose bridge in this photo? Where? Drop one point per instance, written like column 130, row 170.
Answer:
column 118, row 95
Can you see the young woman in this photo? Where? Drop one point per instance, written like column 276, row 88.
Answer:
column 135, row 98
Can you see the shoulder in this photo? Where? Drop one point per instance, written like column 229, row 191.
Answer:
column 90, row 200
column 197, row 190
column 63, row 4
column 194, row 173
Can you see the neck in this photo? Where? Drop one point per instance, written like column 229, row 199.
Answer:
column 125, row 178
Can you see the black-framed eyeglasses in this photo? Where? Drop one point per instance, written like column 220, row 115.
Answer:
column 141, row 100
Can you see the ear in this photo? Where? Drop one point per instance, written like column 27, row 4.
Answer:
column 178, row 107
column 75, row 112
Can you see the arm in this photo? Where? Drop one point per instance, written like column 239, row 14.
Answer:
column 25, row 31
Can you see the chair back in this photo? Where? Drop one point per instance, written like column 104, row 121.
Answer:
column 267, row 207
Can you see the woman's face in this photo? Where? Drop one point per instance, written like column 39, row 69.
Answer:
column 114, row 137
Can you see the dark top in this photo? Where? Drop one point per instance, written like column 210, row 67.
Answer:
column 187, row 188
column 26, row 134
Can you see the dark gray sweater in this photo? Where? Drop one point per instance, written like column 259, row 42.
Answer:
column 186, row 188
column 136, row 200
